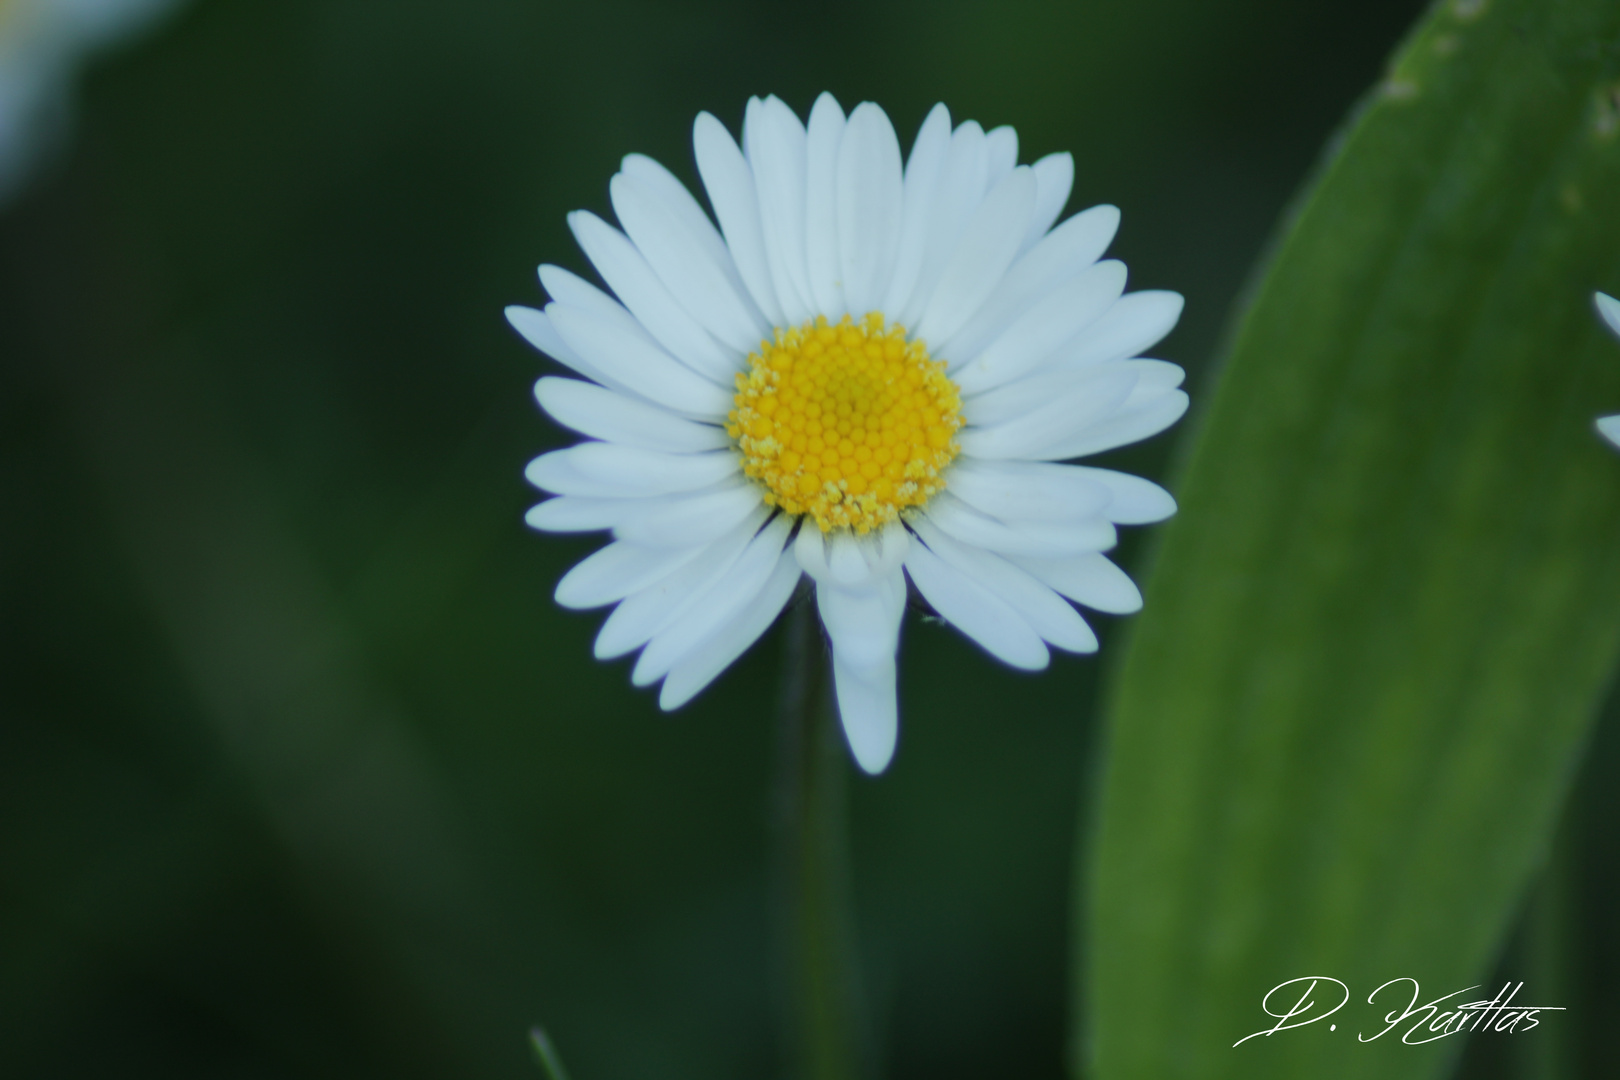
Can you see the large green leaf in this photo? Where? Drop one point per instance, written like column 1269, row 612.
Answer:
column 1376, row 634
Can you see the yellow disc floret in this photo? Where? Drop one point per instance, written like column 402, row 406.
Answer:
column 849, row 423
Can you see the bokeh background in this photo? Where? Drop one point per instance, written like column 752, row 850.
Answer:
column 302, row 773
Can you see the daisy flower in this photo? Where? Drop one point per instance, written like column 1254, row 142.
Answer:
column 1608, row 309
column 862, row 370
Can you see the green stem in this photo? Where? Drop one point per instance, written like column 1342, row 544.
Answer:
column 825, row 1030
column 1549, row 956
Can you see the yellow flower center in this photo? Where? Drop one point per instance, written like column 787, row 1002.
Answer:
column 848, row 423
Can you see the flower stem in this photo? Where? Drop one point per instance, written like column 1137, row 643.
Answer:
column 823, row 979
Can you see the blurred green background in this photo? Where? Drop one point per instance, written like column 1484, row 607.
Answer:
column 302, row 773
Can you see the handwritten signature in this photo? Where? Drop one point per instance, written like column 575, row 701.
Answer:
column 1429, row 1021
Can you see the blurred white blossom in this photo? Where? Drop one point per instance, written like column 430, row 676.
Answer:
column 43, row 43
column 1608, row 309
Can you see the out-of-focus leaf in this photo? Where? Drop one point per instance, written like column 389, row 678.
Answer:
column 1378, row 630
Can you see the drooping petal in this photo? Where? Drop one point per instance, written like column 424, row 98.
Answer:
column 863, row 624
column 1609, row 428
column 868, row 708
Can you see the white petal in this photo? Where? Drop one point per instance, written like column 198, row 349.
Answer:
column 810, row 549
column 1153, row 378
column 609, row 470
column 649, row 609
column 604, row 414
column 538, row 331
column 1135, row 323
column 1044, row 539
column 1609, row 428
column 1096, row 388
column 567, row 287
column 1059, row 256
column 1609, row 309
column 986, row 250
column 678, row 201
column 577, row 513
column 822, row 138
column 975, row 610
column 1045, row 328
column 1000, row 155
column 923, row 170
column 1040, row 416
column 1088, row 578
column 730, row 184
column 700, row 284
column 870, row 199
column 702, row 664
column 721, row 603
column 1134, row 501
column 695, row 519
column 863, row 622
column 1030, row 490
column 635, row 360
column 776, row 153
column 1054, row 177
column 863, row 625
column 584, row 513
column 869, row 712
column 1124, row 428
column 611, row 573
column 1047, row 613
column 627, row 273
column 957, row 193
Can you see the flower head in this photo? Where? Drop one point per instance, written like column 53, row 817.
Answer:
column 869, row 371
